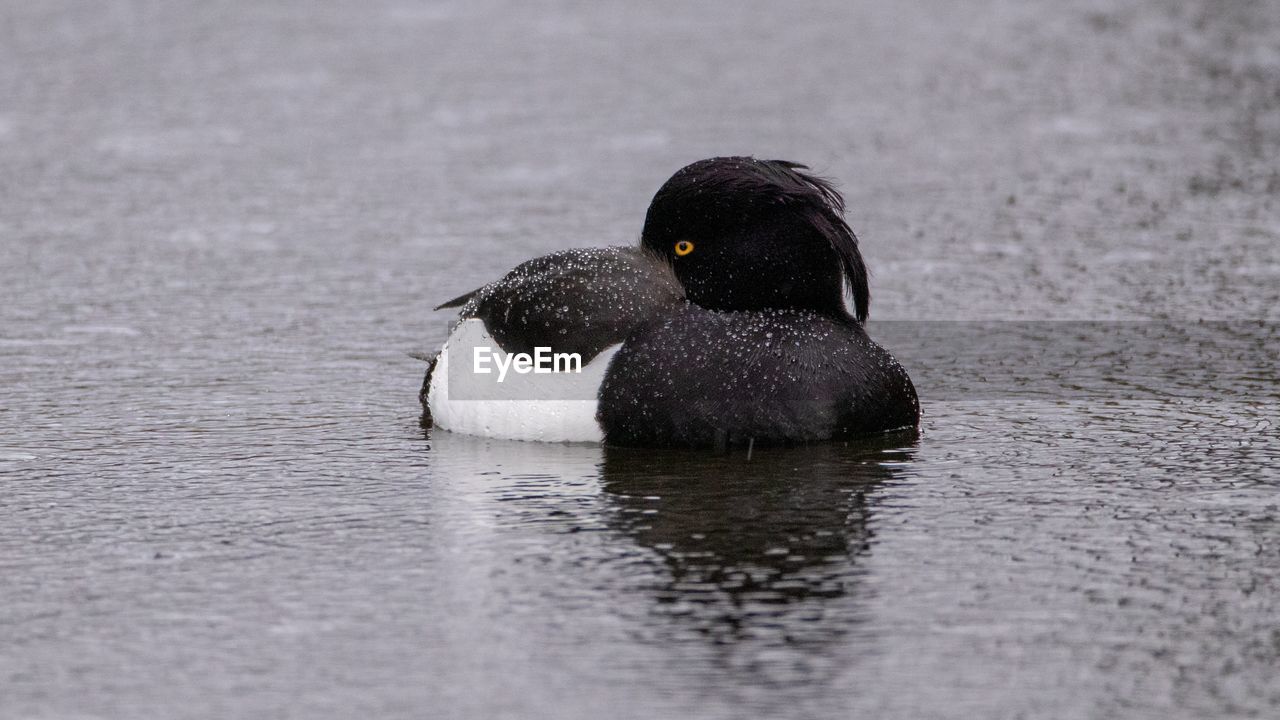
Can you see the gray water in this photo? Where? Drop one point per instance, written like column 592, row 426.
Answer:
column 223, row 226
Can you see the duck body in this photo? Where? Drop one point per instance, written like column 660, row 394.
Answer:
column 727, row 325
column 700, row 378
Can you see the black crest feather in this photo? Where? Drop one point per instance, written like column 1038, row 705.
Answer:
column 818, row 198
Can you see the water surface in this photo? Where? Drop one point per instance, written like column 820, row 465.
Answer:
column 223, row 226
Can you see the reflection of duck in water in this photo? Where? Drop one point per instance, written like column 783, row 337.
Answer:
column 755, row 549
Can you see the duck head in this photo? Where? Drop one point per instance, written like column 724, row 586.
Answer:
column 748, row 234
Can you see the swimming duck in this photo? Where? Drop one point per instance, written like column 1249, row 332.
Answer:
column 727, row 325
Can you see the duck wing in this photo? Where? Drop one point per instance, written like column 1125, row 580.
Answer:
column 581, row 300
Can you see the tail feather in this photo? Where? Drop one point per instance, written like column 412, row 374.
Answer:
column 459, row 301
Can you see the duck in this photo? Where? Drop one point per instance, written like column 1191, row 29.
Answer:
column 738, row 319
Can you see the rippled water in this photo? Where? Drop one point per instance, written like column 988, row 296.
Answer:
column 222, row 228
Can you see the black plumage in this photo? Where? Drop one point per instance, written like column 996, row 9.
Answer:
column 702, row 378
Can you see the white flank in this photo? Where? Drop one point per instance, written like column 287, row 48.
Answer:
column 540, row 412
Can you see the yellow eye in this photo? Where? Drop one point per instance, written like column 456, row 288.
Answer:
column 684, row 247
